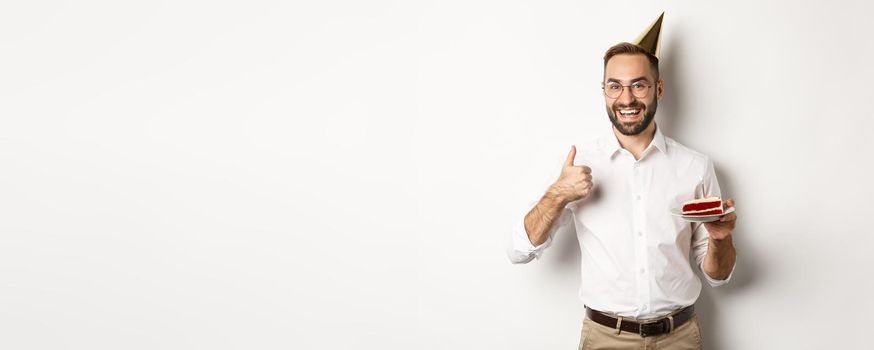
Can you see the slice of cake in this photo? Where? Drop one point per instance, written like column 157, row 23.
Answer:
column 703, row 206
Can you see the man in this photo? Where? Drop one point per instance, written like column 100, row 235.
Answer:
column 617, row 193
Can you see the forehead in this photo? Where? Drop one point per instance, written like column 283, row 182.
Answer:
column 626, row 67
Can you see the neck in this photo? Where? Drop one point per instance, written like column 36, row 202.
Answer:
column 636, row 144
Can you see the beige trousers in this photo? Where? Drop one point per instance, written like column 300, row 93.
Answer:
column 596, row 336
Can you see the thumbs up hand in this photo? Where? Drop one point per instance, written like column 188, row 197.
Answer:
column 575, row 182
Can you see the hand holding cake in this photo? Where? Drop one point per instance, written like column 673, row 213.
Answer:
column 722, row 228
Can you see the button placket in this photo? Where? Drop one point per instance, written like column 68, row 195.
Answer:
column 637, row 222
column 639, row 184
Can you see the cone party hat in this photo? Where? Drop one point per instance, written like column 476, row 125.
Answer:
column 650, row 39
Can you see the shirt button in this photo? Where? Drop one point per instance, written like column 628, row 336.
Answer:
column 642, row 270
column 638, row 197
column 636, row 165
column 640, row 234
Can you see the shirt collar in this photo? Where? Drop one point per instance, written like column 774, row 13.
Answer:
column 611, row 143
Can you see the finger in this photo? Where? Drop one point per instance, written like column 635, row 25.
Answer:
column 729, row 203
column 716, row 229
column 728, row 217
column 585, row 169
column 570, row 156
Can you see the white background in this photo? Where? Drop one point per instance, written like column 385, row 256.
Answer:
column 332, row 175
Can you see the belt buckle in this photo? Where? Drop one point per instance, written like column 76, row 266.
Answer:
column 645, row 333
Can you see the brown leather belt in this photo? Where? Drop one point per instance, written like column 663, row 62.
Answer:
column 656, row 327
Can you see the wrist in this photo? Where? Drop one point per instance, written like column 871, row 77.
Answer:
column 554, row 198
column 720, row 242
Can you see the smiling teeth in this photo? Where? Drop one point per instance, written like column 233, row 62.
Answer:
column 630, row 111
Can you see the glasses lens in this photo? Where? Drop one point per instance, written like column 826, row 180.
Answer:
column 612, row 90
column 639, row 90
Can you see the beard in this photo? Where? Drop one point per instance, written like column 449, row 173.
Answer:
column 631, row 129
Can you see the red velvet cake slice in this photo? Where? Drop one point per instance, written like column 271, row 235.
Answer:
column 703, row 206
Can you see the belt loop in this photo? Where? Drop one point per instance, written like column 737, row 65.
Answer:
column 618, row 324
column 671, row 319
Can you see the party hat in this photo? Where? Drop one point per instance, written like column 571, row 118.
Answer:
column 651, row 37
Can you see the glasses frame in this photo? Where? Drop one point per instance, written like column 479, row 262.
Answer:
column 604, row 85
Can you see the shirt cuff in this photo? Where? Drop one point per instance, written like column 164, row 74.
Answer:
column 522, row 250
column 715, row 282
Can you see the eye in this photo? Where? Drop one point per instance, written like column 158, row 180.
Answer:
column 638, row 86
column 614, row 87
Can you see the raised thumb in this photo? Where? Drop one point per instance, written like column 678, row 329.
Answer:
column 570, row 157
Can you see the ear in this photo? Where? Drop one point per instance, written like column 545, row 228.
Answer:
column 661, row 90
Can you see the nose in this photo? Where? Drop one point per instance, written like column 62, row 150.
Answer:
column 625, row 97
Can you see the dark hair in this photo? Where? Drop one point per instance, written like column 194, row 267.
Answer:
column 631, row 49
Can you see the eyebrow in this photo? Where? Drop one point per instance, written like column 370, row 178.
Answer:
column 632, row 80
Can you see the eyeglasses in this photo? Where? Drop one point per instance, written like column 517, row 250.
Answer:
column 614, row 90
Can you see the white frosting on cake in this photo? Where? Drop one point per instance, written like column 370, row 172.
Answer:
column 702, row 200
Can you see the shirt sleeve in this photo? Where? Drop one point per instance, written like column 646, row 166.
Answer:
column 521, row 250
column 708, row 187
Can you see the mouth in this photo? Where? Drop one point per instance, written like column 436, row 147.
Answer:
column 629, row 114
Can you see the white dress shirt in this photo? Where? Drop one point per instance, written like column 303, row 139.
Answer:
column 635, row 255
